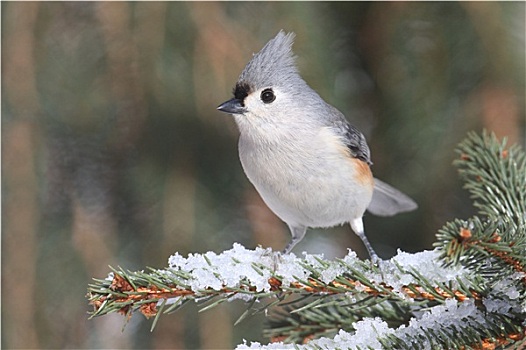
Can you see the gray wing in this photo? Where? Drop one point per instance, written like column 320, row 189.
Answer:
column 352, row 137
column 388, row 201
column 356, row 143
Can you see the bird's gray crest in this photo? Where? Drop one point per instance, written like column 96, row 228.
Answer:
column 272, row 66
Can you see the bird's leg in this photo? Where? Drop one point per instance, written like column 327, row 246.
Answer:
column 297, row 233
column 357, row 226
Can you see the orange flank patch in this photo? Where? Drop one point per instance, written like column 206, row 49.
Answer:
column 363, row 172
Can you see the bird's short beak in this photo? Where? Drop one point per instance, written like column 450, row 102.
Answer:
column 233, row 106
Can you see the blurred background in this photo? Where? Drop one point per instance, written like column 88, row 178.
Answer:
column 113, row 152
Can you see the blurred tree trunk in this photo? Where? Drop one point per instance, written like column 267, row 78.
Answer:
column 20, row 209
column 501, row 107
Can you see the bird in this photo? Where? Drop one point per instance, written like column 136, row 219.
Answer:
column 310, row 166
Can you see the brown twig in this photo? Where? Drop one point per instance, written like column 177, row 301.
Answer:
column 132, row 296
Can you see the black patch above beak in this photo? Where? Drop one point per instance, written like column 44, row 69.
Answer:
column 233, row 106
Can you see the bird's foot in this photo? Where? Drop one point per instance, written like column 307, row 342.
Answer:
column 379, row 264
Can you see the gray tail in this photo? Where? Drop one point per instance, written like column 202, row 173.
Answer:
column 388, row 201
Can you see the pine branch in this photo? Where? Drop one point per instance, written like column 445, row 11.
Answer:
column 469, row 293
column 248, row 277
column 453, row 325
column 496, row 178
column 293, row 324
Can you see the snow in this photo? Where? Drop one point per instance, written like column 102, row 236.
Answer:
column 497, row 305
column 228, row 269
column 507, row 286
column 240, row 269
column 506, row 297
column 328, row 272
column 110, row 277
column 271, row 346
column 452, row 313
column 426, row 263
column 290, row 270
column 367, row 333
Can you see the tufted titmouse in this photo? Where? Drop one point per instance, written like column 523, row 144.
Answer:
column 310, row 166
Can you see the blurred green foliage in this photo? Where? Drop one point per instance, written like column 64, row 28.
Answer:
column 113, row 153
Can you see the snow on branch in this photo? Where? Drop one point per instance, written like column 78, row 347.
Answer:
column 465, row 318
column 245, row 274
column 469, row 292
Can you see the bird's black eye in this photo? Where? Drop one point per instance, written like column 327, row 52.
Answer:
column 267, row 96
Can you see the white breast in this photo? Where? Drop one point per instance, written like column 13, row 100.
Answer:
column 305, row 179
